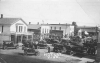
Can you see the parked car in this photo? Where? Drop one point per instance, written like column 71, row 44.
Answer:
column 57, row 47
column 9, row 44
column 42, row 44
column 28, row 50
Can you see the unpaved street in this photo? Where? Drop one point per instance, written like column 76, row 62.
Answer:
column 16, row 56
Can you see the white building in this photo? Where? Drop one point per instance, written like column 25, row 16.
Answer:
column 45, row 30
column 10, row 27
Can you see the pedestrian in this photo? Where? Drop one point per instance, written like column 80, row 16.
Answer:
column 48, row 49
column 36, row 43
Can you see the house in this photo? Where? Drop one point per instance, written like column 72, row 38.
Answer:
column 12, row 28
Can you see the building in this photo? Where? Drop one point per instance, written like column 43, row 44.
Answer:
column 12, row 28
column 87, row 30
column 45, row 30
column 51, row 30
column 59, row 30
column 36, row 29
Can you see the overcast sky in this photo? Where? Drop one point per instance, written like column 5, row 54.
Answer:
column 83, row 12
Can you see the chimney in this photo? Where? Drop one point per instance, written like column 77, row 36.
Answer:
column 29, row 23
column 1, row 15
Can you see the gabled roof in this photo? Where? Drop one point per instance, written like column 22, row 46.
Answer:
column 34, row 26
column 9, row 21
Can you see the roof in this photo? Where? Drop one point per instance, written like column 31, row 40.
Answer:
column 86, row 27
column 34, row 26
column 58, row 24
column 9, row 21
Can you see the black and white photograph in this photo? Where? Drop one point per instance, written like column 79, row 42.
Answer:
column 49, row 31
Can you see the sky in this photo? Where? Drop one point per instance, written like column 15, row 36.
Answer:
column 83, row 12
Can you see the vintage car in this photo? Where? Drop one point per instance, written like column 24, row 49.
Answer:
column 29, row 48
column 41, row 44
column 57, row 47
column 51, row 41
column 9, row 44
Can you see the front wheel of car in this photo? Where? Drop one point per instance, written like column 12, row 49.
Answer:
column 38, row 47
column 5, row 47
column 25, row 52
column 72, row 53
column 37, row 53
column 16, row 47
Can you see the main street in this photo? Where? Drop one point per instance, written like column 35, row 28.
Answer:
column 16, row 56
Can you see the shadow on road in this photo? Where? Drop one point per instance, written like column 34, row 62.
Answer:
column 85, row 56
column 24, row 59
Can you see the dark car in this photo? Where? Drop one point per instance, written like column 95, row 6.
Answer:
column 77, row 50
column 42, row 44
column 51, row 41
column 9, row 44
column 58, row 47
column 29, row 48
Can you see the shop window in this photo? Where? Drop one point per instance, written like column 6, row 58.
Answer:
column 54, row 28
column 51, row 28
column 59, row 28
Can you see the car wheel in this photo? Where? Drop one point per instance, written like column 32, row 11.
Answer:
column 72, row 53
column 16, row 47
column 37, row 53
column 38, row 47
column 25, row 52
column 5, row 47
column 63, row 50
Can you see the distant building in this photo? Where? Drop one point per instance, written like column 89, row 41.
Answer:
column 91, row 30
column 45, row 31
column 36, row 29
column 60, row 30
column 10, row 27
column 51, row 30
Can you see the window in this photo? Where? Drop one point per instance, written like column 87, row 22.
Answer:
column 51, row 28
column 24, row 29
column 42, row 30
column 16, row 28
column 45, row 30
column 2, row 28
column 19, row 28
column 54, row 28
column 59, row 28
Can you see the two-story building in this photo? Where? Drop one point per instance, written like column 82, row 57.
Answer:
column 12, row 28
column 58, row 30
column 36, row 29
column 51, row 30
